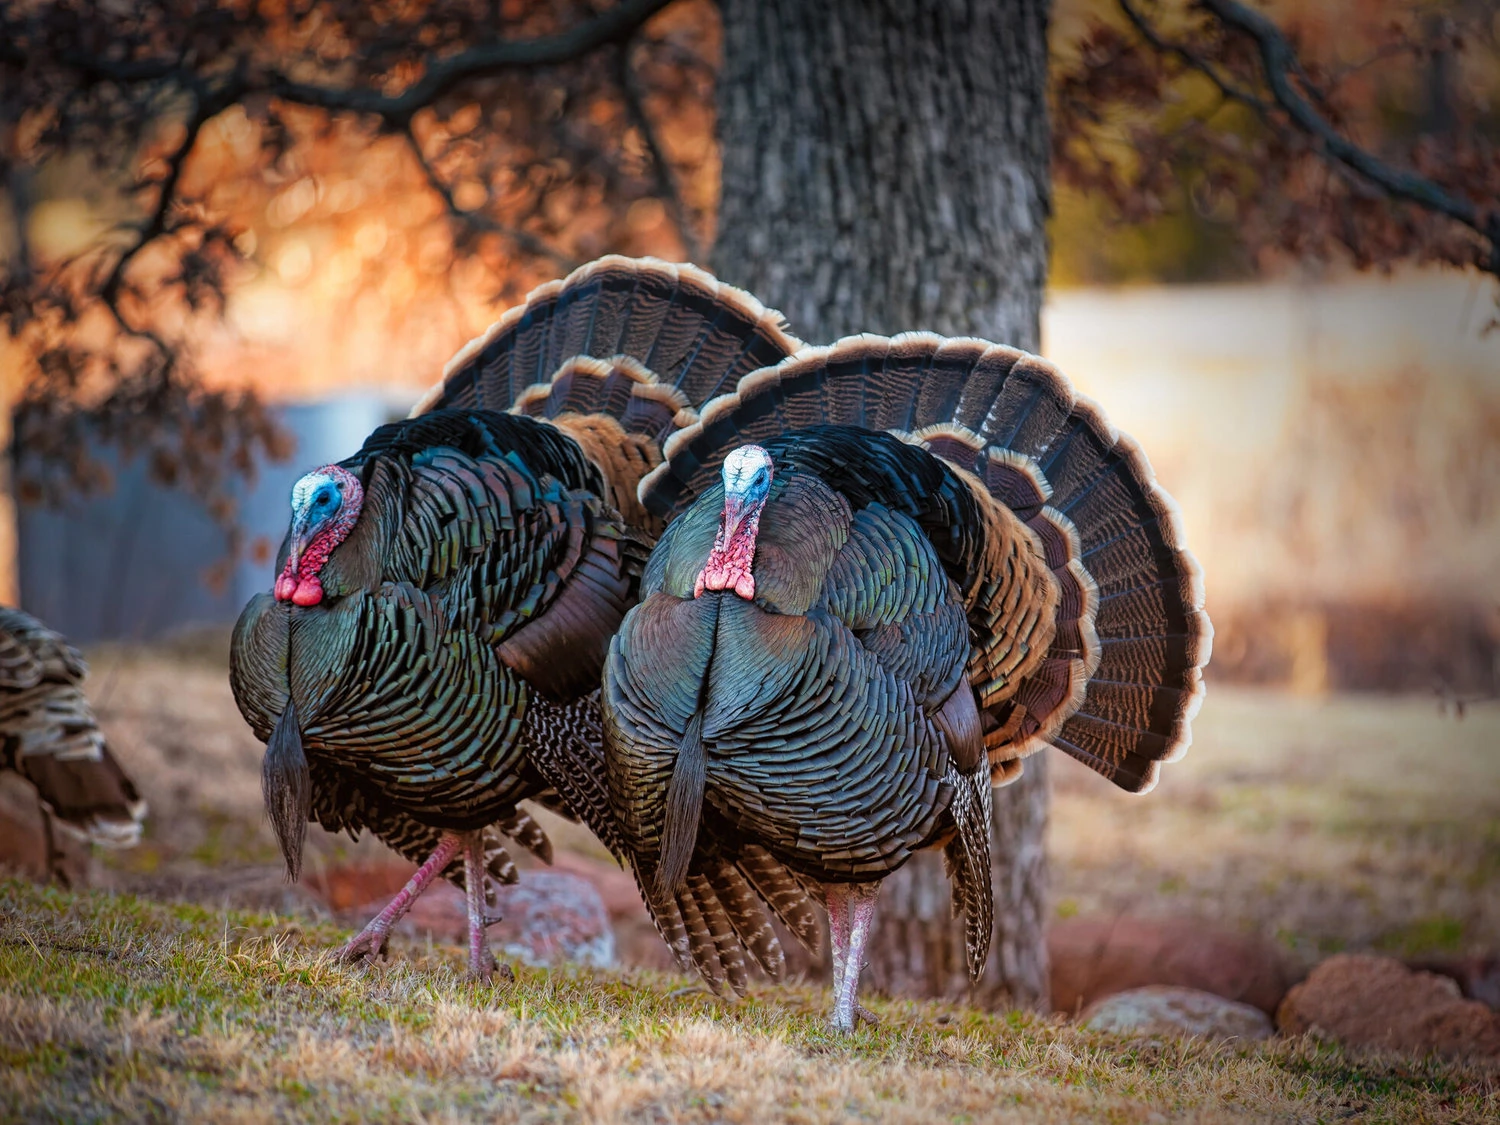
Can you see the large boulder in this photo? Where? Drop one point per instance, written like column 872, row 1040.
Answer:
column 1177, row 1012
column 1368, row 1001
column 1097, row 957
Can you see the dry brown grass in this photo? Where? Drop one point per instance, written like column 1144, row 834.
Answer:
column 1351, row 822
column 117, row 1008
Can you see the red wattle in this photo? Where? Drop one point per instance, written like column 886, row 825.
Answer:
column 302, row 585
column 729, row 563
column 309, row 591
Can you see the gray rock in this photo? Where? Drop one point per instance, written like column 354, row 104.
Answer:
column 550, row 917
column 1163, row 1010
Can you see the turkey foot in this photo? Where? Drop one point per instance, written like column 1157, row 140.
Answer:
column 371, row 941
column 482, row 964
column 851, row 910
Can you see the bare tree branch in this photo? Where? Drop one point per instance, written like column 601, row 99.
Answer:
column 666, row 178
column 156, row 223
column 1279, row 62
column 477, row 219
column 105, row 83
column 1197, row 62
column 210, row 96
column 441, row 75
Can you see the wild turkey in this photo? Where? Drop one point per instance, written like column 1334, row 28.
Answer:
column 844, row 641
column 48, row 734
column 445, row 597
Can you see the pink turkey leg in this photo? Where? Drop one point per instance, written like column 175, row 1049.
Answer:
column 837, row 899
column 370, row 941
column 851, row 911
column 481, row 960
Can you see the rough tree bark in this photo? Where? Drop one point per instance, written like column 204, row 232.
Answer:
column 885, row 167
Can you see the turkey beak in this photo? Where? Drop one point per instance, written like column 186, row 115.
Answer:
column 302, row 535
column 734, row 515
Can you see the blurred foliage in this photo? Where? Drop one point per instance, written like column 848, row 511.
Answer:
column 161, row 157
column 1177, row 158
column 417, row 160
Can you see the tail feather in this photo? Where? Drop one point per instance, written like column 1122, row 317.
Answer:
column 744, row 912
column 564, row 743
column 779, row 888
column 48, row 732
column 721, row 931
column 702, row 947
column 521, row 828
column 1121, row 676
column 697, row 334
column 616, row 355
column 87, row 792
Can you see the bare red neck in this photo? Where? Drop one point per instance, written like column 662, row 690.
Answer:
column 729, row 563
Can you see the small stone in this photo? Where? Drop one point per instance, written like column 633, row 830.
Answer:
column 1176, row 1012
column 1366, row 1001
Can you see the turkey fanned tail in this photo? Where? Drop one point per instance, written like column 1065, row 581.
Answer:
column 1113, row 675
column 697, row 335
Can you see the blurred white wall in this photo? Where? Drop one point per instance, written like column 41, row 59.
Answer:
column 1325, row 440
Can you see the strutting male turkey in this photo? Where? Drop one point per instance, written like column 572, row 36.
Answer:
column 49, row 735
column 853, row 629
column 444, row 599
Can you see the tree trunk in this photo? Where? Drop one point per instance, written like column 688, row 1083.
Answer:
column 885, row 167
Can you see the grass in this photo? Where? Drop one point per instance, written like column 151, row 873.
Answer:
column 1325, row 824
column 116, row 1007
column 1350, row 822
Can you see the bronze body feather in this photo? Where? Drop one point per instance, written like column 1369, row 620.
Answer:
column 49, row 735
